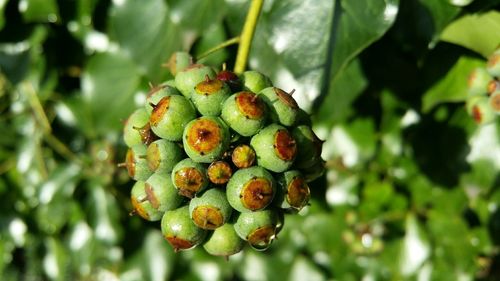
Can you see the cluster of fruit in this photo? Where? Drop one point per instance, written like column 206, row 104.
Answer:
column 483, row 100
column 220, row 158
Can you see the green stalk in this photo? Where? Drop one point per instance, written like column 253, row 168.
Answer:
column 222, row 45
column 247, row 36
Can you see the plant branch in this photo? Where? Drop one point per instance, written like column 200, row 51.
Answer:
column 247, row 35
column 222, row 45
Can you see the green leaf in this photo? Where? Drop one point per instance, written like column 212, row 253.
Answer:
column 442, row 14
column 3, row 4
column 453, row 87
column 108, row 84
column 478, row 32
column 198, row 15
column 39, row 10
column 415, row 249
column 144, row 31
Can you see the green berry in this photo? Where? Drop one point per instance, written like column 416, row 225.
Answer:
column 136, row 163
column 180, row 231
column 250, row 189
column 161, row 192
column 294, row 192
column 231, row 79
column 189, row 177
column 493, row 86
column 495, row 102
column 179, row 61
column 170, row 83
column 309, row 146
column 219, row 172
column 480, row 109
column 275, row 148
column 478, row 81
column 210, row 210
column 224, row 241
column 255, row 81
column 493, row 65
column 132, row 129
column 162, row 155
column 170, row 116
column 156, row 94
column 188, row 78
column 282, row 107
column 313, row 172
column 209, row 95
column 243, row 156
column 303, row 118
column 258, row 228
column 205, row 139
column 245, row 113
column 142, row 206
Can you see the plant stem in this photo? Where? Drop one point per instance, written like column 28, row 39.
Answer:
column 247, row 35
column 222, row 45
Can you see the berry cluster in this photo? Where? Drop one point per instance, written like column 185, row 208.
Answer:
column 483, row 100
column 220, row 159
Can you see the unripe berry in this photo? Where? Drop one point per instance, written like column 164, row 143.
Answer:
column 282, row 107
column 243, row 156
column 258, row 228
column 211, row 209
column 132, row 129
column 178, row 62
column 189, row 177
column 480, row 110
column 275, row 148
column 250, row 189
column 205, row 139
column 180, row 231
column 495, row 102
column 209, row 95
column 136, row 163
column 142, row 206
column 224, row 241
column 493, row 65
column 156, row 94
column 493, row 86
column 309, row 146
column 162, row 155
column 219, row 172
column 188, row 78
column 478, row 81
column 294, row 192
column 170, row 83
column 231, row 79
column 245, row 113
column 313, row 172
column 303, row 118
column 161, row 192
column 255, row 81
column 170, row 116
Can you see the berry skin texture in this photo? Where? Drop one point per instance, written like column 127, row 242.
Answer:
column 131, row 134
column 219, row 172
column 282, row 106
column 245, row 113
column 495, row 102
column 162, row 155
column 210, row 210
column 478, row 81
column 243, row 156
column 250, row 189
column 303, row 118
column 209, row 95
column 189, row 177
column 309, row 144
column 170, row 116
column 142, row 206
column 493, row 65
column 179, row 61
column 255, row 81
column 224, row 241
column 161, row 192
column 275, row 148
column 231, row 79
column 313, row 172
column 205, row 139
column 293, row 191
column 188, row 78
column 258, row 228
column 156, row 94
column 480, row 110
column 180, row 231
column 136, row 163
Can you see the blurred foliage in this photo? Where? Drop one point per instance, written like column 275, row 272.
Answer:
column 412, row 189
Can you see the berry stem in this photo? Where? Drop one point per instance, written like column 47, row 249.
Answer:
column 222, row 45
column 247, row 36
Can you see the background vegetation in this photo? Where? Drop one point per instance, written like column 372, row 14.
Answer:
column 411, row 191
